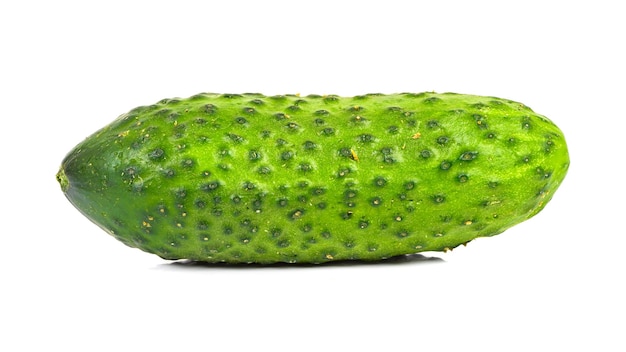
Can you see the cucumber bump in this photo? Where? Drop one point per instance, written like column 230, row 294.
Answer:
column 248, row 178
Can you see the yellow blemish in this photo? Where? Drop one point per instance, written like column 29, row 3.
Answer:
column 468, row 222
column 329, row 256
column 353, row 155
column 416, row 135
column 124, row 134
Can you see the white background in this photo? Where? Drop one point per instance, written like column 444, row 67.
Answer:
column 554, row 283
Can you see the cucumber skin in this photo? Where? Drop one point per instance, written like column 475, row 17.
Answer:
column 256, row 179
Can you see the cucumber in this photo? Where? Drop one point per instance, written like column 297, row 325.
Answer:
column 248, row 178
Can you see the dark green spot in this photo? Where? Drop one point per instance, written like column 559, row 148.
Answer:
column 210, row 109
column 366, row 138
column 286, row 155
column 276, row 232
column 350, row 194
column 292, row 126
column 376, row 201
column 468, row 156
column 202, row 225
column 309, row 145
column 305, row 167
column 281, row 116
column 443, row 140
column 282, row 202
column 432, row 124
column 328, row 131
column 318, row 191
column 380, row 181
column 254, row 155
column 347, row 215
column 439, row 198
column 319, row 122
column 431, row 100
column 425, row 153
column 296, row 214
column 264, row 170
column 480, row 106
column 231, row 96
column 187, row 163
column 283, row 243
column 402, row 233
column 480, row 120
column 345, row 152
column 235, row 138
column 210, row 186
column 248, row 186
column 445, row 165
column 343, row 172
column 156, row 154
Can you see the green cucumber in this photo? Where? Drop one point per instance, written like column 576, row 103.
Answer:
column 248, row 178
